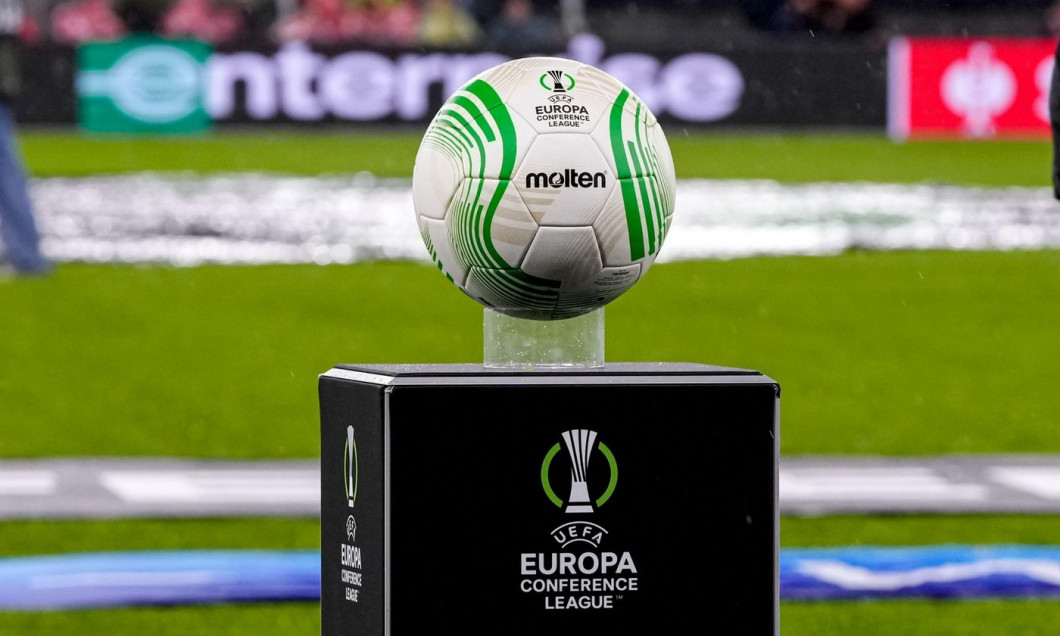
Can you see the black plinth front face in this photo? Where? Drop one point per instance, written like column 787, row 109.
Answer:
column 640, row 498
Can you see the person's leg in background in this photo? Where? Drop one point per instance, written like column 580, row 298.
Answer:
column 18, row 229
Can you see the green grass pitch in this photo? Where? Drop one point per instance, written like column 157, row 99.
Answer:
column 877, row 353
column 834, row 157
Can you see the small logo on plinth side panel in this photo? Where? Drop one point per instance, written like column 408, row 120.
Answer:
column 580, row 445
column 352, row 574
column 350, row 467
column 351, row 529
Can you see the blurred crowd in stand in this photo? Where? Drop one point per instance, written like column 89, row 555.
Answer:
column 825, row 17
column 514, row 26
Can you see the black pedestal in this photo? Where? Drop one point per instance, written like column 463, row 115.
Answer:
column 633, row 498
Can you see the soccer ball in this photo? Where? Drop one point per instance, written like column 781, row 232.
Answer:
column 544, row 188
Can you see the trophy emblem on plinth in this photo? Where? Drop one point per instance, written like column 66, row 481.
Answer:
column 351, row 467
column 579, row 444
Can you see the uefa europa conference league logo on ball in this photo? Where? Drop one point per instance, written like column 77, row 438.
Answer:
column 589, row 579
column 544, row 188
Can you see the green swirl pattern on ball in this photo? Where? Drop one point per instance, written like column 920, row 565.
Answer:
column 636, row 162
column 463, row 130
column 504, row 202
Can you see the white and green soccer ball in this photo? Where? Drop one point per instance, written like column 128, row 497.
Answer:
column 544, row 188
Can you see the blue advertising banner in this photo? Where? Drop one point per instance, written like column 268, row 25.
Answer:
column 806, row 574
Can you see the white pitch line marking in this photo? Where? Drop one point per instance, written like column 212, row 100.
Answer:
column 1043, row 481
column 27, row 483
column 214, row 488
column 890, row 484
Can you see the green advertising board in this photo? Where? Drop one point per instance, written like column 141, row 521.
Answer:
column 143, row 84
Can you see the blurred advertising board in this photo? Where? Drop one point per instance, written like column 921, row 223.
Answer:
column 143, row 84
column 969, row 87
column 758, row 83
column 147, row 84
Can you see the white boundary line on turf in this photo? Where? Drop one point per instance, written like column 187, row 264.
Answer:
column 165, row 487
column 255, row 218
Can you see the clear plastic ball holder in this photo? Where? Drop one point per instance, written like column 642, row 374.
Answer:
column 518, row 343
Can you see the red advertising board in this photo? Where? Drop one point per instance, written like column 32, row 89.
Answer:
column 969, row 87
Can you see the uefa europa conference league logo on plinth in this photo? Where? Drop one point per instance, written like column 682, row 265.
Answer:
column 352, row 473
column 588, row 579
